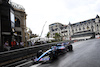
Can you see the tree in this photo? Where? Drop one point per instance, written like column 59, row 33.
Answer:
column 33, row 35
column 57, row 36
column 48, row 34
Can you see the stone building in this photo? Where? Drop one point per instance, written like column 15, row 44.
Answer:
column 80, row 30
column 12, row 22
column 20, row 22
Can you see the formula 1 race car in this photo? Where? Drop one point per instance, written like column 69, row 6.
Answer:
column 68, row 45
column 53, row 52
column 61, row 48
column 47, row 56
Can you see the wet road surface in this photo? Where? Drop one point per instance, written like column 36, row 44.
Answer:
column 84, row 54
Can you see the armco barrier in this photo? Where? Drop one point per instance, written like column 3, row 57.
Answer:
column 12, row 56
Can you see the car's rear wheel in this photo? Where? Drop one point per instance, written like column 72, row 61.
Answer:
column 70, row 48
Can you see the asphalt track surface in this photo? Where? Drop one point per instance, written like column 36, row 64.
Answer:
column 84, row 54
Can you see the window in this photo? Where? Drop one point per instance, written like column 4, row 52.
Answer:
column 87, row 27
column 19, row 33
column 17, row 22
column 79, row 28
column 61, row 28
column 65, row 27
column 52, row 30
column 89, row 22
column 83, row 28
column 97, row 28
column 53, row 33
column 73, row 31
column 92, row 27
column 12, row 16
column 84, row 23
column 56, row 25
column 93, row 20
column 65, row 31
column 56, row 29
column 76, row 29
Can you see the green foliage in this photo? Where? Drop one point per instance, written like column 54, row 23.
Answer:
column 57, row 37
column 48, row 34
column 33, row 36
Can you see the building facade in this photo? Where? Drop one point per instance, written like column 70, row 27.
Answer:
column 80, row 30
column 7, row 22
column 12, row 23
column 20, row 22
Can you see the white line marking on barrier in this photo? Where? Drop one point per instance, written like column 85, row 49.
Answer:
column 24, row 64
column 35, row 65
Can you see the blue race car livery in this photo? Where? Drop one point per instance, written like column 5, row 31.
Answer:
column 53, row 52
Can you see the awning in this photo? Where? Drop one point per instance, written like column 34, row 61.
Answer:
column 79, row 38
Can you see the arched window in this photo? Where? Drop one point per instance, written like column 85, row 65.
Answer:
column 87, row 27
column 76, row 29
column 97, row 28
column 17, row 22
column 83, row 28
column 92, row 28
column 79, row 28
column 72, row 31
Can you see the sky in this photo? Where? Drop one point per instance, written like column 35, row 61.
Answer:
column 62, row 11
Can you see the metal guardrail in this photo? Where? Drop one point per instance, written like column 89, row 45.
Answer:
column 12, row 56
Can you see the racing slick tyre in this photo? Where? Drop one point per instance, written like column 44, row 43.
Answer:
column 53, row 55
column 70, row 48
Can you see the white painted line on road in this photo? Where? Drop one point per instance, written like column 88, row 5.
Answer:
column 24, row 64
column 35, row 65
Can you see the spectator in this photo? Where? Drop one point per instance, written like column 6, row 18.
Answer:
column 17, row 44
column 6, row 46
column 24, row 44
column 13, row 44
column 29, row 43
column 32, row 43
column 21, row 44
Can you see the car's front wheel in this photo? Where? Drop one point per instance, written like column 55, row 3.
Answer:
column 70, row 48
